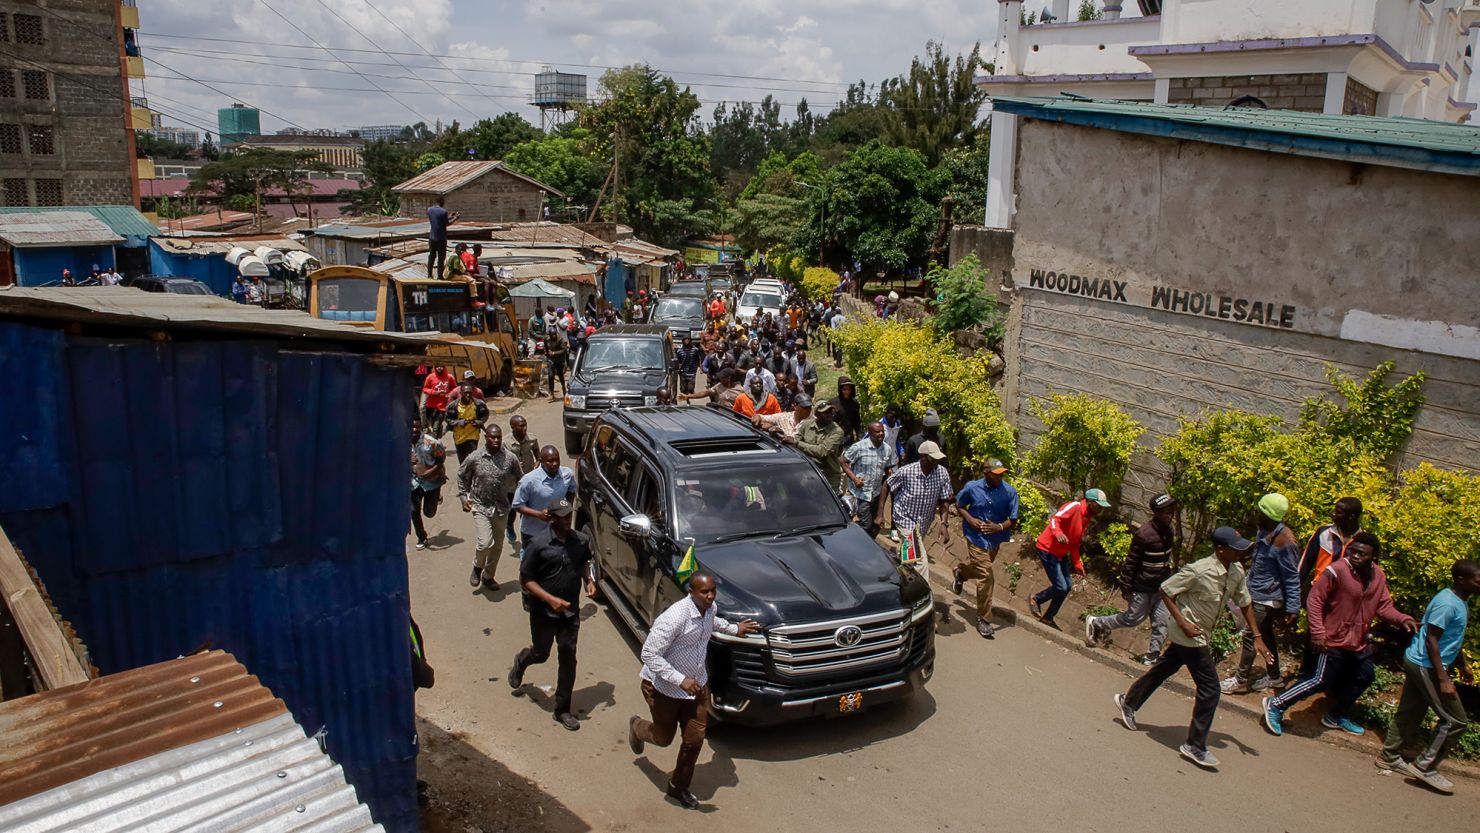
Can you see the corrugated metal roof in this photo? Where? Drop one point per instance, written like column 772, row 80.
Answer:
column 122, row 220
column 224, row 244
column 253, row 485
column 1401, row 142
column 189, row 744
column 55, row 228
column 131, row 307
column 449, row 176
column 209, row 220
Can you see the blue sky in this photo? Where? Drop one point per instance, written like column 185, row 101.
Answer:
column 488, row 52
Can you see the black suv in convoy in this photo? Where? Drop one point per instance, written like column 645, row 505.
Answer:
column 843, row 626
column 620, row 366
column 683, row 316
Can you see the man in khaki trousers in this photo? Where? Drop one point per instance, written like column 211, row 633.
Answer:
column 988, row 508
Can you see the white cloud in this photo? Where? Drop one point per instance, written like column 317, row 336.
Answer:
column 817, row 45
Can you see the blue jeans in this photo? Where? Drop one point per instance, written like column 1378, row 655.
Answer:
column 1060, row 583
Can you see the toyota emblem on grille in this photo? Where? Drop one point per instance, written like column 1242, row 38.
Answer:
column 847, row 636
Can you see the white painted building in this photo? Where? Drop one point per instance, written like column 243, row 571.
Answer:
column 1363, row 57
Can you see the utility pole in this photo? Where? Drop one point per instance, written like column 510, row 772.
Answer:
column 617, row 174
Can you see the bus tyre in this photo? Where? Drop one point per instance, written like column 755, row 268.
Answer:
column 573, row 443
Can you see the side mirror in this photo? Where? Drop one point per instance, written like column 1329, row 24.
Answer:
column 636, row 526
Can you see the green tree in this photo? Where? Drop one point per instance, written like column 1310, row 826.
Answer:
column 965, row 173
column 963, row 301
column 856, row 120
column 650, row 128
column 1089, row 11
column 935, row 106
column 252, row 171
column 1376, row 417
column 767, row 220
column 426, row 161
column 561, row 162
column 386, row 164
column 490, row 139
column 778, row 175
column 1086, row 443
column 879, row 206
column 740, row 139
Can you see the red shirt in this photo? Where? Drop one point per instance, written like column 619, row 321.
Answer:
column 1341, row 608
column 469, row 262
column 437, row 388
column 1070, row 520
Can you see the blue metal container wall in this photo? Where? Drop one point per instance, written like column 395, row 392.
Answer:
column 38, row 265
column 210, row 269
column 232, row 495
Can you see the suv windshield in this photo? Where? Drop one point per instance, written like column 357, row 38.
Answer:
column 760, row 299
column 754, row 502
column 678, row 309
column 634, row 353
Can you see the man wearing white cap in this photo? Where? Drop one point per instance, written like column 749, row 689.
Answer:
column 917, row 492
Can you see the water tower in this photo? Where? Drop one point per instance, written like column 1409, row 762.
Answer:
column 556, row 94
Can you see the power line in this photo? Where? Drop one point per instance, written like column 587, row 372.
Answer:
column 81, row 80
column 225, row 55
column 216, row 56
column 329, row 52
column 239, row 42
column 372, row 42
column 398, row 28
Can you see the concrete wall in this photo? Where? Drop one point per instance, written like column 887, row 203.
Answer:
column 493, row 197
column 85, row 109
column 1347, row 260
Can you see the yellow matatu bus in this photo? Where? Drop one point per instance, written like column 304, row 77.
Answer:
column 381, row 301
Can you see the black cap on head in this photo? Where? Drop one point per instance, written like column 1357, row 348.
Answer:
column 1227, row 536
column 561, row 508
column 1162, row 501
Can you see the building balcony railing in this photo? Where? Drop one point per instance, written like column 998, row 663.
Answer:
column 133, row 67
column 129, row 14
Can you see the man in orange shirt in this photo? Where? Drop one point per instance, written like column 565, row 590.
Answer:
column 1060, row 540
column 745, row 403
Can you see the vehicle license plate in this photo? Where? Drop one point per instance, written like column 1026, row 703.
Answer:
column 850, row 702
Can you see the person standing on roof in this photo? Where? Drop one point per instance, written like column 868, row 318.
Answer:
column 439, row 219
column 1060, row 541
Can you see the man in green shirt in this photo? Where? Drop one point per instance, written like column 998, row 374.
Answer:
column 821, row 439
column 1194, row 596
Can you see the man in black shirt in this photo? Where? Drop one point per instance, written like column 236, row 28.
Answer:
column 551, row 573
column 929, row 432
column 1148, row 564
column 687, row 359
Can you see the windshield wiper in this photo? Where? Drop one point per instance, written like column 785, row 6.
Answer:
column 803, row 530
column 733, row 536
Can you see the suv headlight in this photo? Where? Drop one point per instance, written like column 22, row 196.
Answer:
column 577, row 402
column 922, row 608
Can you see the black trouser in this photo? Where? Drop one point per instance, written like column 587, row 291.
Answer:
column 543, row 630
column 423, row 502
column 1267, row 619
column 1344, row 675
column 436, row 258
column 557, row 370
column 464, row 449
column 1199, row 661
column 686, row 382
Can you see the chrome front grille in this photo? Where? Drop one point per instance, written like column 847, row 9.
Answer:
column 824, row 647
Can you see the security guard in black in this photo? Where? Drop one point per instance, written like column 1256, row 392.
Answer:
column 551, row 573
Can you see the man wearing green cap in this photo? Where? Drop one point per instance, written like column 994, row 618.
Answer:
column 1274, row 585
column 1059, row 542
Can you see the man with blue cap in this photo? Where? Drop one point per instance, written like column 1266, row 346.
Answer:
column 1195, row 596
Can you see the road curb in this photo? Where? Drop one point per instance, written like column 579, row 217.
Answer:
column 504, row 405
column 1246, row 705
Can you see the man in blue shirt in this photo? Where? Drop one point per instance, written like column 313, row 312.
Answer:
column 1427, row 684
column 440, row 219
column 988, row 508
column 539, row 490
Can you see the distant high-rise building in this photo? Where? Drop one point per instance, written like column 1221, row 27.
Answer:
column 374, row 133
column 66, row 124
column 178, row 135
column 237, row 122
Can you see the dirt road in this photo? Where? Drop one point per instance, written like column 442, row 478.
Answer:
column 1014, row 734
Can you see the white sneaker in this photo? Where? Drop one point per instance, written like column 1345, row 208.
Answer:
column 1435, row 780
column 1230, row 685
column 1264, row 682
column 1201, row 757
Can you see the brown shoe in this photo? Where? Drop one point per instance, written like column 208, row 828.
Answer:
column 633, row 741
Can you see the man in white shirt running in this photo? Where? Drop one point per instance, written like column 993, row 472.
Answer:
column 675, row 680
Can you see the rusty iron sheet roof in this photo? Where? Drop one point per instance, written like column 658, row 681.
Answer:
column 129, row 307
column 59, row 736
column 56, row 228
column 194, row 743
column 225, row 243
column 450, row 176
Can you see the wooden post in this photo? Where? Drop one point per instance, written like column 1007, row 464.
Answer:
column 56, row 661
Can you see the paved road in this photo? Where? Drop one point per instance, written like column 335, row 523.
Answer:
column 1013, row 734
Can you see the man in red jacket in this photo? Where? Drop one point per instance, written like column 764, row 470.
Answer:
column 1060, row 540
column 1346, row 597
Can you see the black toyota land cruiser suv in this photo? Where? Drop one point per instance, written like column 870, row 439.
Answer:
column 843, row 626
column 619, row 366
